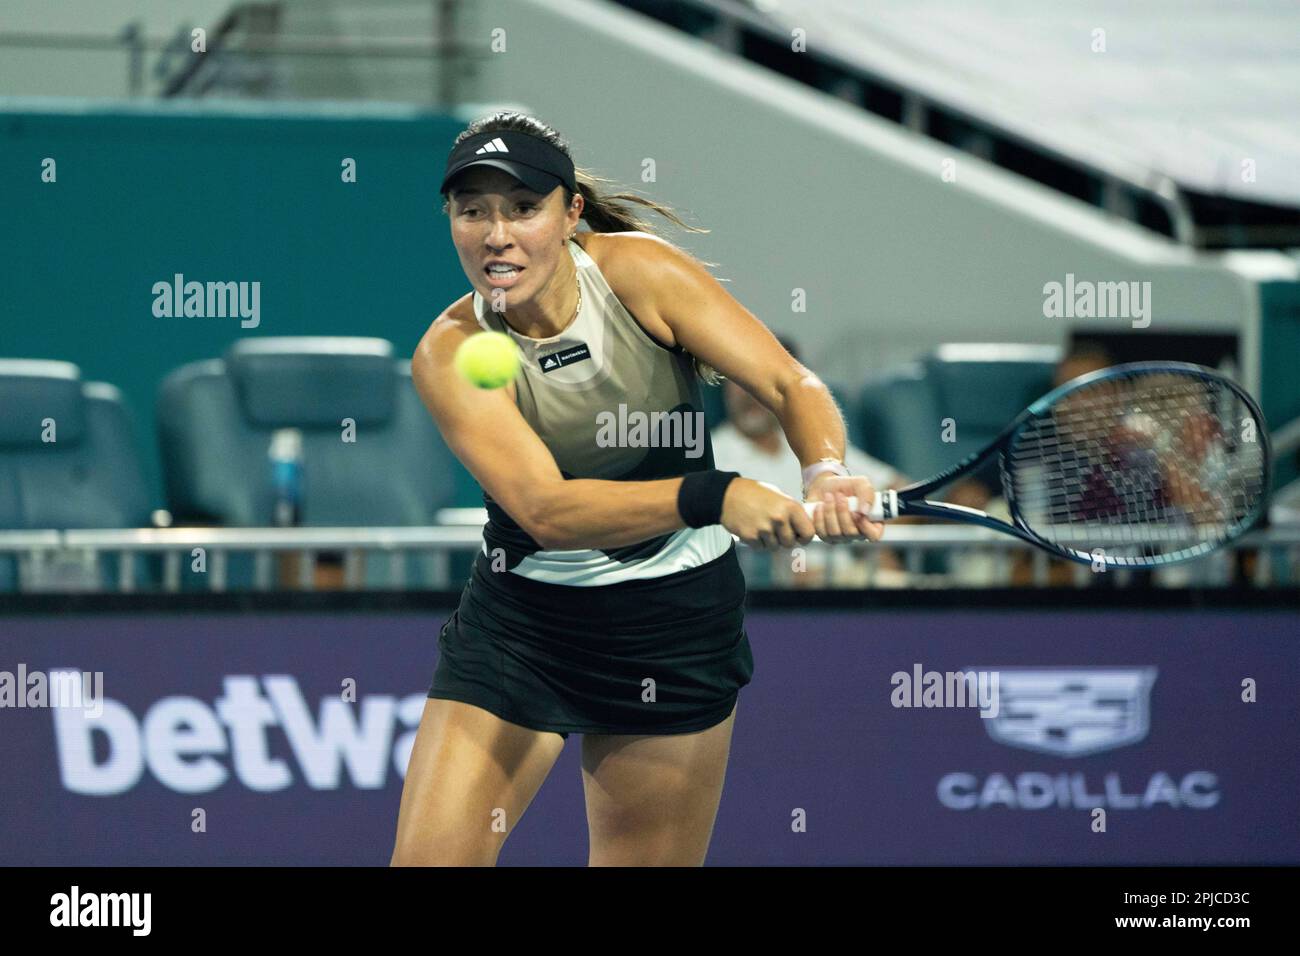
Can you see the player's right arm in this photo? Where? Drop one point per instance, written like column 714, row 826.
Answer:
column 485, row 430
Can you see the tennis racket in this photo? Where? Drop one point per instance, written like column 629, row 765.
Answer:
column 1135, row 466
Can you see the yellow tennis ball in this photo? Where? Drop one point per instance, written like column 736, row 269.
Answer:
column 488, row 359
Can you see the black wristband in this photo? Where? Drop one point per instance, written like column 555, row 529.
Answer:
column 699, row 499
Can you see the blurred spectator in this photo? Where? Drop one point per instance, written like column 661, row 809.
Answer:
column 1081, row 360
column 982, row 491
column 752, row 442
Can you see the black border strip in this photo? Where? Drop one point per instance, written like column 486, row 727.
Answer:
column 1030, row 599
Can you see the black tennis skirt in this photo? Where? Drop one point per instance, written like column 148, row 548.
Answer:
column 663, row 655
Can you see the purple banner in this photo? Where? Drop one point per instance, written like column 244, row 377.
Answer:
column 887, row 737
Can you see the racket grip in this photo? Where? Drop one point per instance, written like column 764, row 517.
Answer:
column 883, row 507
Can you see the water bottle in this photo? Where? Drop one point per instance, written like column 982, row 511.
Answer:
column 286, row 477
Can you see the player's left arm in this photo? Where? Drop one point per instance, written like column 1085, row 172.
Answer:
column 668, row 287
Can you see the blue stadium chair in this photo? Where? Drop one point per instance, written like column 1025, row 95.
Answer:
column 982, row 387
column 898, row 421
column 979, row 387
column 715, row 405
column 925, row 416
column 216, row 418
column 88, row 476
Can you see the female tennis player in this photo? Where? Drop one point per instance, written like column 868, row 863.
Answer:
column 607, row 599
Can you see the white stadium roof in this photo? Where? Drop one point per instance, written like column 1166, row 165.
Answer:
column 1187, row 89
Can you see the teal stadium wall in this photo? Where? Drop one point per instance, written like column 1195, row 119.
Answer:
column 1279, row 358
column 235, row 194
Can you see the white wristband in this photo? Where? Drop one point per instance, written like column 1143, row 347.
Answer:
column 820, row 467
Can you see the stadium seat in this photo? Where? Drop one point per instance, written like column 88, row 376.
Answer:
column 902, row 413
column 898, row 420
column 68, row 459
column 714, row 405
column 216, row 419
column 983, row 387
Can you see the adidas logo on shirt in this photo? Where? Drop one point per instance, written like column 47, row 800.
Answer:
column 496, row 146
column 566, row 356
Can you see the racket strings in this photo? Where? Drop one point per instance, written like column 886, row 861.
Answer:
column 1141, row 467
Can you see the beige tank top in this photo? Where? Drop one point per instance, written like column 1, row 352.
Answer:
column 611, row 403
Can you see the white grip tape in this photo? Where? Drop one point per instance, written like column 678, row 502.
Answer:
column 883, row 507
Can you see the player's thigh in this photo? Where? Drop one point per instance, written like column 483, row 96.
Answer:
column 652, row 800
column 470, row 778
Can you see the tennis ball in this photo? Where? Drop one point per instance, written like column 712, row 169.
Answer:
column 488, row 359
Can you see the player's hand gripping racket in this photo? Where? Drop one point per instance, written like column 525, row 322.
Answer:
column 1134, row 466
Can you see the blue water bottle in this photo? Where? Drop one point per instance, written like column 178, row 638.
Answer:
column 286, row 477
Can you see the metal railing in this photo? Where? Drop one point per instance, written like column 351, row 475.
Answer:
column 913, row 556
column 246, row 48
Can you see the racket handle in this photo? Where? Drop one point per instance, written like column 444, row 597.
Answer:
column 883, row 507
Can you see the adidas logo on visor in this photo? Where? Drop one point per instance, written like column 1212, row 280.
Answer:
column 496, row 146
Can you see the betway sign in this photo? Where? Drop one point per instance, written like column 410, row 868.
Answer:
column 192, row 747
